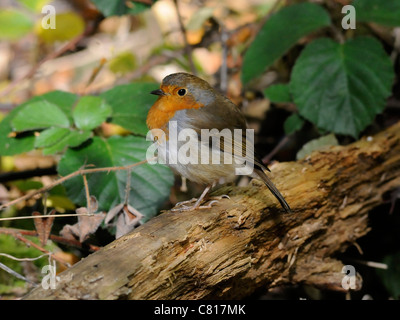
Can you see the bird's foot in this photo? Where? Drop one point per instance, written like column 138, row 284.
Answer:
column 182, row 206
column 224, row 196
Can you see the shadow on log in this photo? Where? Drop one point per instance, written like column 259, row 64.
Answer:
column 247, row 242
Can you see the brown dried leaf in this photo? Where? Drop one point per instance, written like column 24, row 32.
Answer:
column 128, row 218
column 113, row 213
column 89, row 224
column 85, row 226
column 43, row 226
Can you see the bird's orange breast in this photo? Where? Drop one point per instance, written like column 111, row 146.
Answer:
column 163, row 110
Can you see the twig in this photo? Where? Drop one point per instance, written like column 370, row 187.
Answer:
column 32, row 244
column 22, row 259
column 337, row 34
column 372, row 264
column 224, row 64
column 68, row 46
column 87, row 194
column 128, row 186
column 93, row 76
column 70, row 176
column 48, row 216
column 274, row 151
column 59, row 239
column 188, row 47
column 15, row 274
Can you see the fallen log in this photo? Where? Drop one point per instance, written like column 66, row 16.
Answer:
column 246, row 242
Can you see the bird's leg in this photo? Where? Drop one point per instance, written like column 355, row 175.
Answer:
column 197, row 205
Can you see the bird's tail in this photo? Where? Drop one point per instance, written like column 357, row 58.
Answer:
column 273, row 189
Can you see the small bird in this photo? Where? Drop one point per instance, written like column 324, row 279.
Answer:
column 191, row 104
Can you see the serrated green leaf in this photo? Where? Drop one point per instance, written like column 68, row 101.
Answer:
column 90, row 112
column 130, row 104
column 14, row 24
column 64, row 100
column 25, row 142
column 385, row 12
column 278, row 93
column 293, row 124
column 150, row 184
column 39, row 115
column 10, row 145
column 281, row 31
column 317, row 144
column 50, row 137
column 341, row 87
column 71, row 139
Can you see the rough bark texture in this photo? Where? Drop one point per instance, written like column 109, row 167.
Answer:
column 246, row 243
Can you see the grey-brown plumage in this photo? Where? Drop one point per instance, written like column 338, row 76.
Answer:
column 209, row 114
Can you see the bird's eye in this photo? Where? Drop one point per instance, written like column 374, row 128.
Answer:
column 182, row 92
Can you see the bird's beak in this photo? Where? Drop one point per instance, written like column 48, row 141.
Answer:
column 158, row 92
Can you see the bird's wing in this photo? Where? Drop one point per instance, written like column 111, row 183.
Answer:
column 229, row 117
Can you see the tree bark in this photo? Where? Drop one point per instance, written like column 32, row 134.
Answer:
column 247, row 242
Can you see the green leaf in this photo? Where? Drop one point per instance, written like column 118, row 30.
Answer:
column 71, row 139
column 278, row 93
column 281, row 31
column 90, row 112
column 293, row 124
column 39, row 115
column 26, row 185
column 14, row 145
column 150, row 184
column 14, row 24
column 385, row 12
column 23, row 143
column 57, row 139
column 119, row 7
column 391, row 276
column 68, row 26
column 317, row 144
column 50, row 137
column 123, row 63
column 130, row 104
column 341, row 87
column 64, row 100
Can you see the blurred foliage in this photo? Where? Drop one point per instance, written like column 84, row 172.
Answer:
column 330, row 86
column 9, row 245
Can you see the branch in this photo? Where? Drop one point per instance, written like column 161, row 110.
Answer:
column 246, row 242
column 70, row 176
column 188, row 48
column 59, row 239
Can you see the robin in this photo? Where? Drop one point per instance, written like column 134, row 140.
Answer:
column 188, row 104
